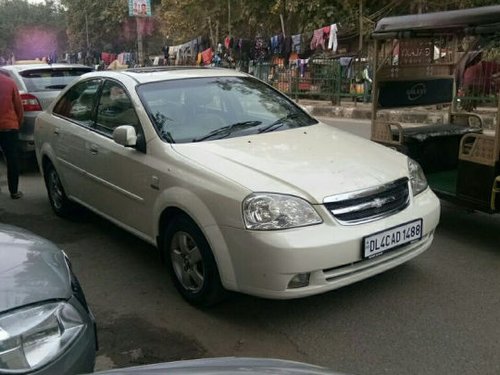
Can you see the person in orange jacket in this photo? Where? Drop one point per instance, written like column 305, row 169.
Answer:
column 11, row 117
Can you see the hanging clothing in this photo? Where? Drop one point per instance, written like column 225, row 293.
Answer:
column 207, row 56
column 260, row 49
column 165, row 51
column 332, row 39
column 277, row 44
column 287, row 47
column 296, row 43
column 228, row 42
column 302, row 63
column 346, row 64
column 108, row 57
column 317, row 39
column 245, row 49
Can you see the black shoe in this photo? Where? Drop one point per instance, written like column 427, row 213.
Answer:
column 17, row 195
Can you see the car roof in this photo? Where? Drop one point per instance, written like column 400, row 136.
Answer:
column 22, row 67
column 154, row 74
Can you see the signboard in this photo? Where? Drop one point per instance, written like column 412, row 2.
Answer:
column 139, row 8
column 415, row 51
column 415, row 93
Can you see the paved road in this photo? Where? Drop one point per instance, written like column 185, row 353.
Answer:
column 438, row 314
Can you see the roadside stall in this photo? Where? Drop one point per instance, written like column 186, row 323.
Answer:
column 416, row 62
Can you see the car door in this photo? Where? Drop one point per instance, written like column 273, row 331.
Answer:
column 122, row 176
column 73, row 117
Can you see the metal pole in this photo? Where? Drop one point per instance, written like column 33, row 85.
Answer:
column 282, row 25
column 375, row 89
column 360, row 25
column 211, row 31
column 87, row 30
column 139, row 41
column 229, row 17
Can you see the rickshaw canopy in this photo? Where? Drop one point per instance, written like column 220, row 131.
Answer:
column 484, row 20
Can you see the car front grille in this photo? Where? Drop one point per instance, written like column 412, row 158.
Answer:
column 369, row 204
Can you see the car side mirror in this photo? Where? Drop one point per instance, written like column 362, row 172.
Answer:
column 125, row 135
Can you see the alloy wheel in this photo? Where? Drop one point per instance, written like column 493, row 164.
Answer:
column 187, row 261
column 55, row 190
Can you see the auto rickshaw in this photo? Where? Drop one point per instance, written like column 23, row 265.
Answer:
column 416, row 64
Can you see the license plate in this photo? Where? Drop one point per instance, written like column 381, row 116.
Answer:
column 378, row 243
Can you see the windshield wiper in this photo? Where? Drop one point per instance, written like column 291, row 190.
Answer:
column 279, row 123
column 228, row 129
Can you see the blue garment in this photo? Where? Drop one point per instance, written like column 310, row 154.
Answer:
column 296, row 40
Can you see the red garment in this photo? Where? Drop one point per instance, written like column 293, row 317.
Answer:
column 478, row 77
column 318, row 39
column 206, row 56
column 108, row 58
column 11, row 107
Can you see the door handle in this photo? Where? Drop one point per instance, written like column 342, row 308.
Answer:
column 56, row 131
column 93, row 149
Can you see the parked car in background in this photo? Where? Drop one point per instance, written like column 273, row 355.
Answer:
column 39, row 84
column 46, row 326
column 229, row 365
column 238, row 186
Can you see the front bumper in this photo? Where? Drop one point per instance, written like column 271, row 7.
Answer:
column 264, row 262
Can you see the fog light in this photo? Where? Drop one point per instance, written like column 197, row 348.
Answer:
column 299, row 281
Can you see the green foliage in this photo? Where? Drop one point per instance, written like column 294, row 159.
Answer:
column 105, row 24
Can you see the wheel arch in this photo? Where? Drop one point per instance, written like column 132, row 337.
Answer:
column 191, row 206
column 46, row 161
column 44, row 156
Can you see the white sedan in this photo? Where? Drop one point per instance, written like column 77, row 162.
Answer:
column 238, row 187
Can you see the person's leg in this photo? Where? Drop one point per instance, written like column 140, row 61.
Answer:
column 9, row 145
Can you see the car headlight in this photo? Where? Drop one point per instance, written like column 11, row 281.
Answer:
column 266, row 211
column 417, row 177
column 32, row 337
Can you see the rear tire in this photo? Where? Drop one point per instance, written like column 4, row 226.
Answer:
column 191, row 263
column 59, row 202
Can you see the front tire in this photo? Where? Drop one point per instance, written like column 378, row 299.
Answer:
column 59, row 202
column 191, row 263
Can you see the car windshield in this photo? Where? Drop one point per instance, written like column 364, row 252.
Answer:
column 50, row 78
column 203, row 109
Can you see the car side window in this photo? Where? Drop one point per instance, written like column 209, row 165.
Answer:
column 78, row 103
column 115, row 108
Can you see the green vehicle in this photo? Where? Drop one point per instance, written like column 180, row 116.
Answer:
column 417, row 63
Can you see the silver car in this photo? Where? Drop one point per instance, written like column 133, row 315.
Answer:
column 38, row 85
column 46, row 326
column 230, row 365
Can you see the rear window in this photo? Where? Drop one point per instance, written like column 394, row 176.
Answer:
column 50, row 79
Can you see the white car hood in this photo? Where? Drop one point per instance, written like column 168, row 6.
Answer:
column 312, row 162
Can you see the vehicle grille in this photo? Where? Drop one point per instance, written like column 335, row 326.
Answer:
column 370, row 204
